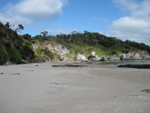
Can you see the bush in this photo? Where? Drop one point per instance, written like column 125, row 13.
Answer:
column 38, row 51
column 27, row 36
column 27, row 52
column 16, row 57
column 28, row 43
column 118, row 53
column 3, row 54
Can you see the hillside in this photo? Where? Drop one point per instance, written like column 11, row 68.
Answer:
column 18, row 49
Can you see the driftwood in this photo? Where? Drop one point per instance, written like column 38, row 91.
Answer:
column 69, row 65
column 139, row 66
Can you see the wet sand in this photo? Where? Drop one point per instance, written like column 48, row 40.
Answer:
column 41, row 88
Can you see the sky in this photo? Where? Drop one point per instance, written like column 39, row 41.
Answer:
column 123, row 19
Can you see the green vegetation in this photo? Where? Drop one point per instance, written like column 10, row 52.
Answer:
column 118, row 53
column 48, row 53
column 16, row 57
column 40, row 38
column 38, row 51
column 14, row 47
column 28, row 43
column 3, row 54
column 100, row 53
column 69, row 55
column 100, row 41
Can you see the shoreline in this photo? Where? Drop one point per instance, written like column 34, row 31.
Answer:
column 41, row 88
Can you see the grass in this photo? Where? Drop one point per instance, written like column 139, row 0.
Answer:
column 117, row 53
column 86, row 49
column 38, row 51
column 100, row 53
column 69, row 55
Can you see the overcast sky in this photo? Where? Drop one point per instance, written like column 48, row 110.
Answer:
column 124, row 19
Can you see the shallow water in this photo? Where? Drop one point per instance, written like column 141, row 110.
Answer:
column 121, row 62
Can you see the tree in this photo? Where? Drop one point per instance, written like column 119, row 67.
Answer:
column 20, row 27
column 44, row 33
column 8, row 25
column 27, row 36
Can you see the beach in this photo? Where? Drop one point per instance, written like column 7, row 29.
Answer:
column 42, row 88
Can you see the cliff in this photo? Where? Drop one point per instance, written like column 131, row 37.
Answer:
column 18, row 49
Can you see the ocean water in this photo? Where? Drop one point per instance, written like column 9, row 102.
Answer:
column 121, row 62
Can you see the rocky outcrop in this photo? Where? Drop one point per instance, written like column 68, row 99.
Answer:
column 66, row 59
column 61, row 51
column 114, row 58
column 69, row 65
column 133, row 56
column 54, row 48
column 94, row 57
column 140, row 66
column 104, row 59
column 147, row 57
column 81, row 57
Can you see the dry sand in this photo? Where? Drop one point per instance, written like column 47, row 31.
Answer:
column 41, row 88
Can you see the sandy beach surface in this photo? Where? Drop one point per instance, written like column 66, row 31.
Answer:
column 41, row 88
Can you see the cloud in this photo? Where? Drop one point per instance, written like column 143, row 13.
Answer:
column 135, row 26
column 94, row 18
column 58, row 31
column 126, row 4
column 40, row 8
column 26, row 10
column 13, row 18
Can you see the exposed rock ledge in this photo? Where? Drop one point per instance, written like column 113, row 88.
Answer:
column 139, row 66
column 69, row 65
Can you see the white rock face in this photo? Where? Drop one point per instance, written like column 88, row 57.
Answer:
column 137, row 56
column 148, row 57
column 64, row 51
column 35, row 46
column 93, row 53
column 129, row 55
column 58, row 49
column 81, row 57
column 114, row 58
column 65, row 59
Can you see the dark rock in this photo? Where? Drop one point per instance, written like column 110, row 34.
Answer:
column 91, row 57
column 69, row 65
column 94, row 58
column 139, row 66
column 122, row 57
column 146, row 90
column 103, row 59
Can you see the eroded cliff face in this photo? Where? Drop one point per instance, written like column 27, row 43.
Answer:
column 136, row 55
column 52, row 51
